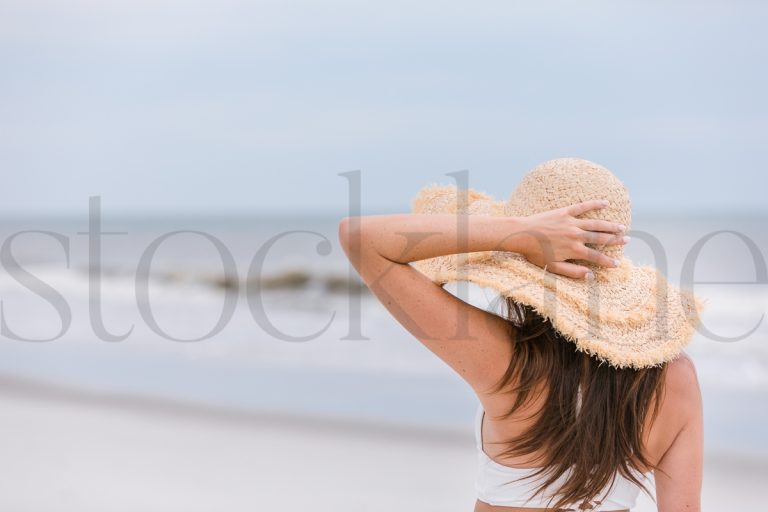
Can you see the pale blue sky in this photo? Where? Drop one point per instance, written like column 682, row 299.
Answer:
column 236, row 106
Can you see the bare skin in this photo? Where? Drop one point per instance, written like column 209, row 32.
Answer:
column 380, row 247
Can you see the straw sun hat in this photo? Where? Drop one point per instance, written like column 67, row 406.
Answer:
column 627, row 316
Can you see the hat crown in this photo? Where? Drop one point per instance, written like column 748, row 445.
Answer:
column 567, row 181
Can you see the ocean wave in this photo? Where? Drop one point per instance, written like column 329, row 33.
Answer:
column 116, row 278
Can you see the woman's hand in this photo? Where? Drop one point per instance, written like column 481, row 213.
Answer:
column 554, row 236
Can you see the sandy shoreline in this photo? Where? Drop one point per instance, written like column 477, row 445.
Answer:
column 70, row 450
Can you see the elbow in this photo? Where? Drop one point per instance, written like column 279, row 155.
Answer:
column 348, row 227
column 353, row 239
column 343, row 232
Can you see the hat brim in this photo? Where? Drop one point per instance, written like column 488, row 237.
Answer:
column 629, row 316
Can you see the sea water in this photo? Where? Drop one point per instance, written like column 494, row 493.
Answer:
column 266, row 314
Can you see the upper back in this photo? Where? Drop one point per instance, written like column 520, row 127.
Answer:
column 673, row 441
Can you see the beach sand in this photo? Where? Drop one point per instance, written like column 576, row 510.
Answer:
column 67, row 450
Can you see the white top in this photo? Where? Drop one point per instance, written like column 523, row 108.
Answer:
column 493, row 485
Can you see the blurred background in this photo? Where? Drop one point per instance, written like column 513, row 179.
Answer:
column 213, row 348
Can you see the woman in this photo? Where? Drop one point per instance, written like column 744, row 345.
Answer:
column 583, row 386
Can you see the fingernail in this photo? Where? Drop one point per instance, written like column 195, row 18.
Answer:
column 625, row 239
column 622, row 227
column 616, row 263
column 604, row 202
column 589, row 276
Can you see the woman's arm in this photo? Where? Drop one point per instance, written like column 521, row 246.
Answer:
column 678, row 484
column 545, row 239
column 472, row 341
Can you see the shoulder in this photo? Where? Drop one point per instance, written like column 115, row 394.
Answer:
column 681, row 375
column 682, row 394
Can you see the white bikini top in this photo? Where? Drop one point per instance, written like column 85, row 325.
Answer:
column 493, row 485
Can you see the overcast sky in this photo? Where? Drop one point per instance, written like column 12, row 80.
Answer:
column 224, row 106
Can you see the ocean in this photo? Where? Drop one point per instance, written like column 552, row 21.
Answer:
column 265, row 314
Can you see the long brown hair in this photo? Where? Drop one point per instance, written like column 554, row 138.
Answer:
column 598, row 433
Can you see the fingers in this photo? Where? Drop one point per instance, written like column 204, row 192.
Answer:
column 600, row 258
column 600, row 225
column 603, row 239
column 583, row 207
column 568, row 269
